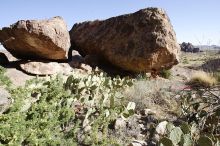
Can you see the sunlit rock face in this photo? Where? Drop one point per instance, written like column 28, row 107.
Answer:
column 37, row 39
column 138, row 42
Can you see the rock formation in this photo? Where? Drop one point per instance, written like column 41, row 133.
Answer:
column 188, row 47
column 37, row 39
column 138, row 42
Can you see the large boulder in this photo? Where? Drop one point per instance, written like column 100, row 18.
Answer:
column 138, row 42
column 37, row 39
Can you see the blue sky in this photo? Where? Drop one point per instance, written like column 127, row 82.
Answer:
column 196, row 21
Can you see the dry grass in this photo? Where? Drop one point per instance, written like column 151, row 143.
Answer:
column 153, row 95
column 203, row 79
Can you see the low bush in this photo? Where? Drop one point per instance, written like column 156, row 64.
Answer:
column 154, row 95
column 165, row 74
column 199, row 123
column 4, row 80
column 58, row 112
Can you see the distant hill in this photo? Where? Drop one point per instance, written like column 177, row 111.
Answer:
column 209, row 47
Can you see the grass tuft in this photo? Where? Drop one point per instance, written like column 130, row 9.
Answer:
column 203, row 79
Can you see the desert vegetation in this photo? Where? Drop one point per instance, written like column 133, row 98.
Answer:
column 95, row 109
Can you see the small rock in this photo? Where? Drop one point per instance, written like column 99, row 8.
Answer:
column 148, row 112
column 87, row 128
column 85, row 122
column 119, row 124
column 161, row 127
column 141, row 136
column 141, row 126
column 157, row 137
column 177, row 96
column 135, row 144
column 4, row 100
column 86, row 67
column 138, row 143
column 194, row 96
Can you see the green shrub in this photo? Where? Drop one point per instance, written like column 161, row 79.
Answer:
column 201, row 105
column 58, row 112
column 199, row 122
column 185, row 135
column 4, row 80
column 165, row 74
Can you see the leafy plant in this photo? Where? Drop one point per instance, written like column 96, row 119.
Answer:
column 201, row 106
column 165, row 74
column 64, row 112
column 185, row 135
column 4, row 80
column 200, row 113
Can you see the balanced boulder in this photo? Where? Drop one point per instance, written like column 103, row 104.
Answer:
column 138, row 42
column 37, row 39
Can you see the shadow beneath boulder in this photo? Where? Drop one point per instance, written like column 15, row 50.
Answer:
column 79, row 62
column 91, row 62
column 3, row 59
column 13, row 64
column 39, row 67
column 114, row 71
column 16, row 65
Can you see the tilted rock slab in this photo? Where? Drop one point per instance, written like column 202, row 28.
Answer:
column 138, row 42
column 45, row 68
column 37, row 39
